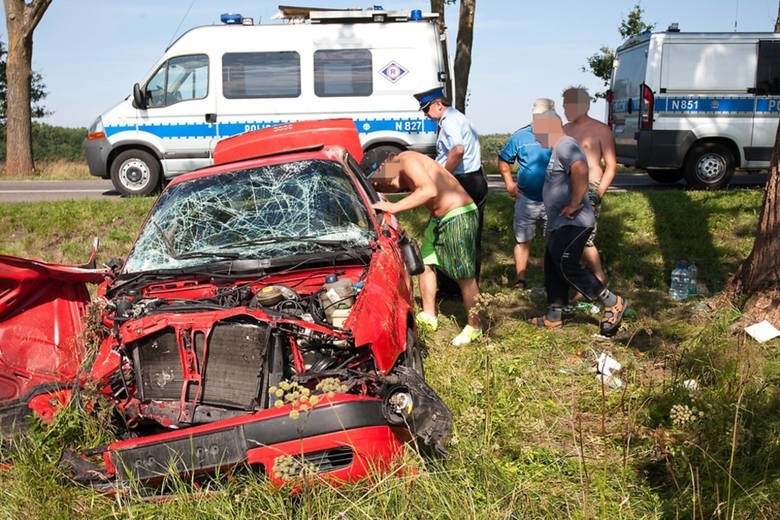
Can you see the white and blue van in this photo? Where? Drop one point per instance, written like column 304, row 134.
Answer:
column 696, row 105
column 221, row 80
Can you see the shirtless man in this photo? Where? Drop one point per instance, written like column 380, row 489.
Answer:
column 450, row 237
column 596, row 140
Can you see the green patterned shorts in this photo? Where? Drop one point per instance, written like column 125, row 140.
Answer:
column 449, row 242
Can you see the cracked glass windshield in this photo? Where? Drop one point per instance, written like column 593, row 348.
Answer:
column 260, row 213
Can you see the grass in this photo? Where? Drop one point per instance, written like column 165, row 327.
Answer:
column 692, row 433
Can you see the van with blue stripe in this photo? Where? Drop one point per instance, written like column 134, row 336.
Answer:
column 695, row 105
column 221, row 80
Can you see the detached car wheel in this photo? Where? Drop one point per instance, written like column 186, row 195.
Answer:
column 135, row 172
column 665, row 176
column 710, row 166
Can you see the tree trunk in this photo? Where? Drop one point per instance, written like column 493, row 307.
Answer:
column 437, row 6
column 21, row 19
column 758, row 277
column 463, row 52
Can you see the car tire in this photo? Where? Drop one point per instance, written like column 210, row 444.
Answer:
column 665, row 176
column 135, row 172
column 709, row 166
column 413, row 357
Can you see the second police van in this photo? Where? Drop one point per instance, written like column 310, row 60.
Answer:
column 221, row 80
column 696, row 105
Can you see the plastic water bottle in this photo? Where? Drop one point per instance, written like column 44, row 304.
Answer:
column 693, row 272
column 680, row 281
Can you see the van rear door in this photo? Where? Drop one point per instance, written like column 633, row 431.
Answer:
column 628, row 75
column 767, row 104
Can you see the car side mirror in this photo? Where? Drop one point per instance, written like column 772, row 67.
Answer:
column 410, row 251
column 139, row 99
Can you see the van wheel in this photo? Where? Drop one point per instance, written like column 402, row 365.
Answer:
column 665, row 176
column 710, row 166
column 135, row 172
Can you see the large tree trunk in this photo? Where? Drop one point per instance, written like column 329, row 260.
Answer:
column 21, row 19
column 463, row 52
column 437, row 6
column 758, row 277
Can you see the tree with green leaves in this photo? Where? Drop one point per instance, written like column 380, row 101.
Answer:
column 600, row 64
column 37, row 91
column 21, row 19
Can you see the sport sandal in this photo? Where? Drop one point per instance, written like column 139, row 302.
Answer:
column 543, row 323
column 610, row 323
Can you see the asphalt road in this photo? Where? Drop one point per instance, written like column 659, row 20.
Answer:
column 37, row 191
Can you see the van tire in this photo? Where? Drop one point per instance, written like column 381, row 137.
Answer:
column 665, row 176
column 709, row 166
column 135, row 172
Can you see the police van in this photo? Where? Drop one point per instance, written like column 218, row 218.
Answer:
column 220, row 80
column 695, row 105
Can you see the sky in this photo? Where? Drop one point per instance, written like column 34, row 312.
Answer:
column 90, row 52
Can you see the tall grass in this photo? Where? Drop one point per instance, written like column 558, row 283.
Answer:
column 692, row 433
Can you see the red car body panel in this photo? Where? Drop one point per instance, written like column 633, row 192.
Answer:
column 41, row 311
column 291, row 136
column 194, row 359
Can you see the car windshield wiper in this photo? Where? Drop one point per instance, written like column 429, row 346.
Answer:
column 207, row 254
column 310, row 239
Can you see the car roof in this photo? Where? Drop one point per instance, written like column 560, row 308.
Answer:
column 290, row 137
column 315, row 139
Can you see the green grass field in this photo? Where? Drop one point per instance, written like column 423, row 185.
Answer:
column 535, row 435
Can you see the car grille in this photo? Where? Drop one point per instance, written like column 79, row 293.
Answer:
column 231, row 363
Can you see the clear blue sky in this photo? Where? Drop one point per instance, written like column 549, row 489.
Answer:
column 90, row 52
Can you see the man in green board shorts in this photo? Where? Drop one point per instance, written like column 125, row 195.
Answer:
column 450, row 239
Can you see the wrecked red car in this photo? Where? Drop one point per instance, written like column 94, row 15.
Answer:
column 263, row 317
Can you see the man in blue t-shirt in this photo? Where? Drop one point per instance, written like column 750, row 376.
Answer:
column 570, row 221
column 532, row 162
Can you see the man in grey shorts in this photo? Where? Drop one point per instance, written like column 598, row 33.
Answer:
column 532, row 162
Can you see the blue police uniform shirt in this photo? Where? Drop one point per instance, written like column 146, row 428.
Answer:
column 454, row 130
column 531, row 159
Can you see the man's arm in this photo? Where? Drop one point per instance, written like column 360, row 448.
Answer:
column 454, row 158
column 579, row 185
column 506, row 173
column 610, row 161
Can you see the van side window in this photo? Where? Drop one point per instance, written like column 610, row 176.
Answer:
column 261, row 75
column 179, row 79
column 768, row 70
column 342, row 72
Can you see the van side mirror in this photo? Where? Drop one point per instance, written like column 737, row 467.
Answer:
column 139, row 99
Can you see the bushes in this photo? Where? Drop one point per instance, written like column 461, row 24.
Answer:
column 51, row 143
column 491, row 144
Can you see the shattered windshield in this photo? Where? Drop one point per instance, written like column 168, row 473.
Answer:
column 267, row 212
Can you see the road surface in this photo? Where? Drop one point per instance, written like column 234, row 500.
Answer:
column 37, row 191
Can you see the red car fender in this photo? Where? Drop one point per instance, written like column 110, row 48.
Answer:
column 380, row 316
column 41, row 327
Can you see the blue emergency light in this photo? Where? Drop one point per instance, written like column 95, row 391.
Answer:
column 416, row 14
column 230, row 18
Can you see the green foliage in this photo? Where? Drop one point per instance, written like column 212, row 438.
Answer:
column 37, row 91
column 491, row 144
column 692, row 433
column 51, row 143
column 600, row 64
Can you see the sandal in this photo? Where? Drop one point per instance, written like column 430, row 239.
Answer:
column 520, row 284
column 610, row 323
column 543, row 323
